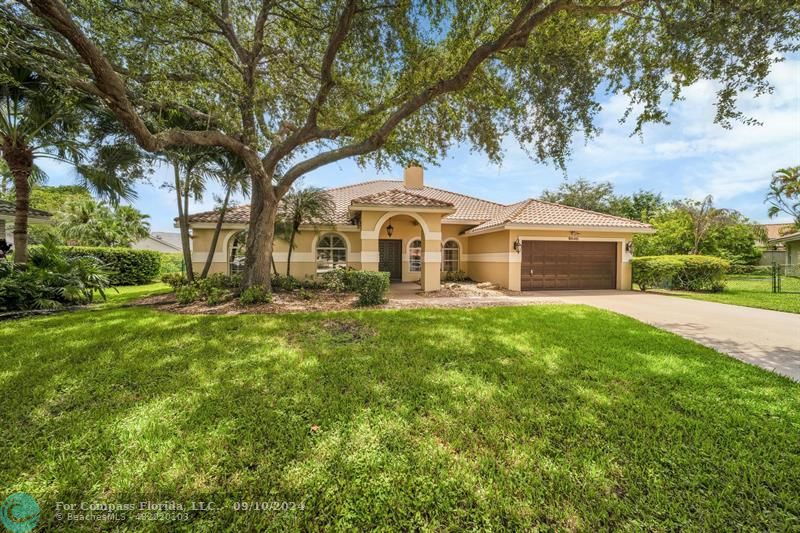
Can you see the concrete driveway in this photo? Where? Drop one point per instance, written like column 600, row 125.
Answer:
column 769, row 339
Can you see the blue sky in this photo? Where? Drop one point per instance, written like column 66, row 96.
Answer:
column 690, row 157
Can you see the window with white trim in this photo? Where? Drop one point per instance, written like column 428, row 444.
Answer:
column 237, row 250
column 415, row 256
column 450, row 256
column 331, row 252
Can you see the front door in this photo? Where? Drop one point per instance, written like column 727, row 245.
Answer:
column 390, row 258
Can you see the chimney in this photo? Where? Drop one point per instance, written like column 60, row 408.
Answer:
column 412, row 177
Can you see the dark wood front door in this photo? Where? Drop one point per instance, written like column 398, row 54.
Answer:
column 568, row 265
column 390, row 257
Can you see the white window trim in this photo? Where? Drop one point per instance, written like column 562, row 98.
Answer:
column 421, row 253
column 460, row 251
column 319, row 237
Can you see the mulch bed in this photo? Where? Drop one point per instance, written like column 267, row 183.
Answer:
column 282, row 302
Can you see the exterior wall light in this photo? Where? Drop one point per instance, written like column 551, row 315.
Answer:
column 517, row 245
column 389, row 230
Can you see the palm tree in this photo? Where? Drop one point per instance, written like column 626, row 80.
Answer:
column 39, row 119
column 86, row 222
column 784, row 194
column 302, row 205
column 231, row 171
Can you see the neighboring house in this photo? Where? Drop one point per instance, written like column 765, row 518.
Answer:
column 416, row 232
column 160, row 241
column 7, row 211
column 774, row 252
column 791, row 244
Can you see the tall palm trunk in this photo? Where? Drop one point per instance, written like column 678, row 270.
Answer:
column 289, row 255
column 215, row 237
column 20, row 162
column 183, row 223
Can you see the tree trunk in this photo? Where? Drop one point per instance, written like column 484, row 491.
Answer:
column 260, row 234
column 20, row 162
column 215, row 237
column 183, row 224
column 289, row 255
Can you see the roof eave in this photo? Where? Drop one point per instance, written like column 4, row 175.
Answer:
column 400, row 208
column 560, row 227
column 787, row 238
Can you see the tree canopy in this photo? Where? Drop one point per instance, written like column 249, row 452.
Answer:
column 290, row 87
column 601, row 197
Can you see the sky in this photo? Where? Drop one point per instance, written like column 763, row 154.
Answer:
column 688, row 158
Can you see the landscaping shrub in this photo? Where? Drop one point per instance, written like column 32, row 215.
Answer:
column 255, row 295
column 458, row 275
column 51, row 280
column 756, row 270
column 284, row 283
column 337, row 280
column 187, row 294
column 370, row 286
column 174, row 279
column 126, row 266
column 680, row 272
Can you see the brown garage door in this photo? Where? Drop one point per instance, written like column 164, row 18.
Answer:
column 568, row 265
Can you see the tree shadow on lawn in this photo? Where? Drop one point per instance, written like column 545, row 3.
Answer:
column 558, row 416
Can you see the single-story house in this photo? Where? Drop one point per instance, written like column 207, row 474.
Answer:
column 160, row 241
column 417, row 233
column 8, row 211
column 791, row 243
column 774, row 252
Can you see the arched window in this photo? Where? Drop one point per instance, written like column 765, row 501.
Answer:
column 331, row 252
column 450, row 253
column 236, row 252
column 415, row 256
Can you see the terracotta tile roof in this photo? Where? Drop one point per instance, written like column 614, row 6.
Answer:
column 789, row 237
column 396, row 197
column 469, row 210
column 775, row 231
column 539, row 213
column 8, row 208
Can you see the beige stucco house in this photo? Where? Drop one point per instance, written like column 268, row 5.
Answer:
column 791, row 243
column 416, row 233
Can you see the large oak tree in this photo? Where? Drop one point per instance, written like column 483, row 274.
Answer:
column 292, row 86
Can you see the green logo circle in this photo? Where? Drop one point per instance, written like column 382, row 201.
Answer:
column 20, row 512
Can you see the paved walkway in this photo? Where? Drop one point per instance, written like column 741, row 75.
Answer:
column 769, row 339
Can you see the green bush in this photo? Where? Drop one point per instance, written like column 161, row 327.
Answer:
column 680, row 272
column 458, row 275
column 126, row 266
column 284, row 283
column 756, row 270
column 370, row 286
column 187, row 294
column 255, row 295
column 215, row 296
column 171, row 262
column 174, row 279
column 51, row 279
column 337, row 280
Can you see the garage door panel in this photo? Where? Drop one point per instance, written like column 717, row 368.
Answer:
column 568, row 265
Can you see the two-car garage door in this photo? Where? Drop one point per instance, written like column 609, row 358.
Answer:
column 568, row 265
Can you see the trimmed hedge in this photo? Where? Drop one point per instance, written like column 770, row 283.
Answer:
column 680, row 272
column 370, row 286
column 126, row 266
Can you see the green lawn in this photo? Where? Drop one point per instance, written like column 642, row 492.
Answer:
column 557, row 417
column 118, row 295
column 752, row 292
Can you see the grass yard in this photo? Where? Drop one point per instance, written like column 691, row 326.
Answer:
column 752, row 292
column 557, row 417
column 125, row 294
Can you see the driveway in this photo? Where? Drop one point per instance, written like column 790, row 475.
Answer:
column 769, row 339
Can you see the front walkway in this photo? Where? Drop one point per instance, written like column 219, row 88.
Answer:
column 769, row 339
